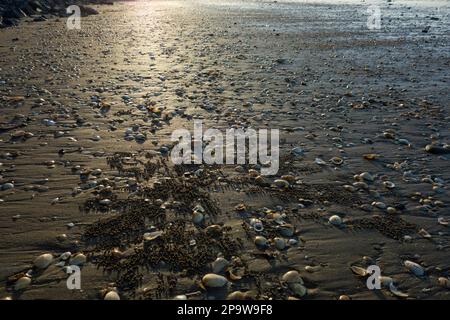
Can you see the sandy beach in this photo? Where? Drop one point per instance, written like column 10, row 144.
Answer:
column 85, row 130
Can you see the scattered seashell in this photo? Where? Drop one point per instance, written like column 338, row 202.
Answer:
column 292, row 277
column 112, row 295
column 389, row 184
column 415, row 268
column 424, row 233
column 337, row 161
column 312, row 269
column 43, row 261
column 335, row 220
column 434, row 149
column 371, row 156
column 385, row 281
column 256, row 224
column 66, row 255
column 286, row 230
column 78, row 260
column 298, row 288
column 219, row 265
column 444, row 282
column 236, row 295
column 197, row 217
column 22, row 283
column 391, row 210
column 344, row 297
column 262, row 181
column 443, row 221
column 7, row 186
column 362, row 272
column 379, row 205
column 396, row 292
column 366, row 176
column 261, row 242
column 212, row 280
column 150, row 236
column 279, row 243
column 320, row 162
column 280, row 183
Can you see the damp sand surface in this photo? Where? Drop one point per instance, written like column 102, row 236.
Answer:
column 346, row 99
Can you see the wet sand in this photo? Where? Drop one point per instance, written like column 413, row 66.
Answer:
column 336, row 90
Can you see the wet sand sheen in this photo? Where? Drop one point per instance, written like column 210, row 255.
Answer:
column 142, row 69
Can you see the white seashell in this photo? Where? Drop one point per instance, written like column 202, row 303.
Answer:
column 389, row 184
column 366, row 176
column 385, row 281
column 335, row 220
column 43, row 261
column 292, row 277
column 279, row 243
column 22, row 283
column 236, row 295
column 212, row 280
column 78, row 259
column 197, row 217
column 312, row 269
column 180, row 297
column 219, row 265
column 261, row 242
column 286, row 230
column 112, row 295
column 415, row 268
column 281, row 183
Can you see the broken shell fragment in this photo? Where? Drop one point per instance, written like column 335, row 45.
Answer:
column 43, row 261
column 212, row 280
